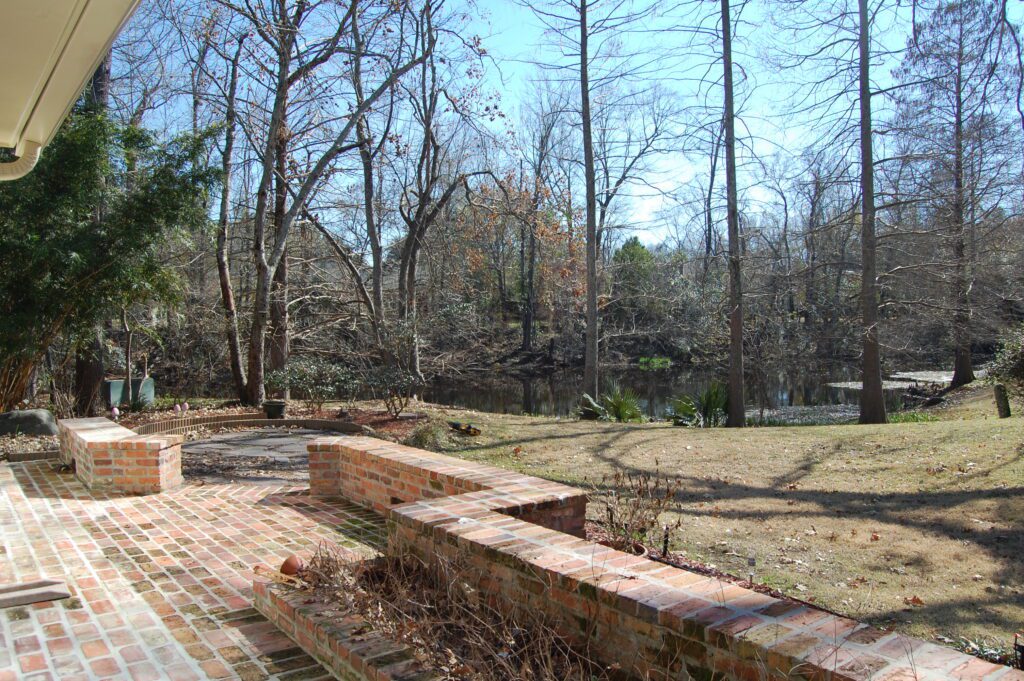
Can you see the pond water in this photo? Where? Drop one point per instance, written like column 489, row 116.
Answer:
column 558, row 393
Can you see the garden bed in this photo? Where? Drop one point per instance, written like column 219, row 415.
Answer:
column 433, row 619
column 25, row 447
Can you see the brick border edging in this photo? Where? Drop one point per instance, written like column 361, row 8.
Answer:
column 28, row 457
column 646, row 616
column 344, row 643
column 185, row 424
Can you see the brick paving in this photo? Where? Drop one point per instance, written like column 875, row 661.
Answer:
column 161, row 584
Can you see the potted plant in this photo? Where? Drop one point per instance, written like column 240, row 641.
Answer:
column 277, row 383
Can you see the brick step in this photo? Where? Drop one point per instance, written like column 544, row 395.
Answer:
column 344, row 643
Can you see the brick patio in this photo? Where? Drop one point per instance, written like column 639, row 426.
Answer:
column 161, row 584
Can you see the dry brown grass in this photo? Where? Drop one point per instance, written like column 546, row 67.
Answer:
column 441, row 614
column 916, row 526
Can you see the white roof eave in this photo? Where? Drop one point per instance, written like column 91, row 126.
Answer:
column 50, row 49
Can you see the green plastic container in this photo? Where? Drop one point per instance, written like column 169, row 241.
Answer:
column 114, row 393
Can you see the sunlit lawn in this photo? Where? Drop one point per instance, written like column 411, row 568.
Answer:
column 914, row 526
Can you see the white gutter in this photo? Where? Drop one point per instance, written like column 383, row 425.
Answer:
column 21, row 166
column 49, row 49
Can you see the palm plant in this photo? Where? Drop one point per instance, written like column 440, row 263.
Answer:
column 706, row 409
column 622, row 405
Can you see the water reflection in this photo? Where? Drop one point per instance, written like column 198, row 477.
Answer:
column 557, row 393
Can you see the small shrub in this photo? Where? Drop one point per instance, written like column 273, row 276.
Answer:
column 707, row 409
column 314, row 380
column 394, row 385
column 166, row 402
column 139, row 405
column 434, row 436
column 276, row 382
column 62, row 402
column 1008, row 365
column 622, row 405
column 655, row 363
column 631, row 507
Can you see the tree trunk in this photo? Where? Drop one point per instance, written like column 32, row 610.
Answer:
column 223, row 267
column 709, row 220
column 737, row 403
column 529, row 303
column 369, row 212
column 872, row 399
column 963, row 371
column 279, row 337
column 590, row 362
column 254, row 389
column 127, row 395
column 89, row 369
column 499, row 239
column 411, row 312
column 33, row 384
column 810, row 275
column 98, row 95
column 89, row 373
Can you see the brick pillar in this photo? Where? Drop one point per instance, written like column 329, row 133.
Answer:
column 324, row 468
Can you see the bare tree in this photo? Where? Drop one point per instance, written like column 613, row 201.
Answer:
column 590, row 37
column 433, row 180
column 223, row 221
column 296, row 60
column 840, row 95
column 958, row 91
column 544, row 129
column 872, row 399
column 737, row 403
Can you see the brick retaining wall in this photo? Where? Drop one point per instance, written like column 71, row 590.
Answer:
column 110, row 457
column 521, row 534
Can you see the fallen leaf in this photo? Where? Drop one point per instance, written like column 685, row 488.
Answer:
column 914, row 601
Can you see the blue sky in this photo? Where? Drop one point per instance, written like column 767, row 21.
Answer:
column 514, row 36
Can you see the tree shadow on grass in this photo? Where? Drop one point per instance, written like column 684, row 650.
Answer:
column 930, row 512
column 616, row 431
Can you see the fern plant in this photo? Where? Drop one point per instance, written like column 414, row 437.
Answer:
column 706, row 409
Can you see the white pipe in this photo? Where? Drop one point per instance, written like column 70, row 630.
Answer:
column 21, row 166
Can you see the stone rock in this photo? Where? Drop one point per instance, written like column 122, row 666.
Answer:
column 28, row 422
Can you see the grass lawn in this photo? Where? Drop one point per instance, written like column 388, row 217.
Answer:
column 917, row 526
